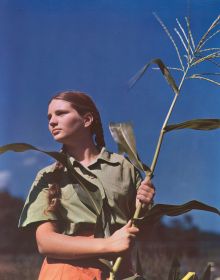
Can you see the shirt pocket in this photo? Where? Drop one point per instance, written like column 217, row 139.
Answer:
column 117, row 193
column 68, row 192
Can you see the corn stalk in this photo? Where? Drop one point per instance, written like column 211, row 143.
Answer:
column 194, row 56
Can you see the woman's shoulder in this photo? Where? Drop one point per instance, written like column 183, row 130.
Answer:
column 45, row 172
column 47, row 169
column 120, row 158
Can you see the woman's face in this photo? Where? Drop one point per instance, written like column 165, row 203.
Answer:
column 65, row 123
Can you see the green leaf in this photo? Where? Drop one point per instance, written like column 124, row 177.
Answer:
column 22, row 147
column 190, row 276
column 174, row 272
column 164, row 70
column 154, row 214
column 198, row 124
column 90, row 195
column 207, row 273
column 123, row 135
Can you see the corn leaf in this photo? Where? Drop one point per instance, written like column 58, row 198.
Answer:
column 207, row 273
column 154, row 214
column 123, row 135
column 164, row 70
column 198, row 124
column 22, row 147
column 174, row 272
column 89, row 194
column 190, row 276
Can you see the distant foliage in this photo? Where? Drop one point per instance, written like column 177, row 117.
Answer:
column 13, row 240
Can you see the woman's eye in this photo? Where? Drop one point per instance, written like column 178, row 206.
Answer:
column 60, row 113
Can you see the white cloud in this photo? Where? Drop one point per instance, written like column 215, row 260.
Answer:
column 5, row 178
column 30, row 161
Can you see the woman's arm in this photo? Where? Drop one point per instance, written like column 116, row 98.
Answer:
column 53, row 244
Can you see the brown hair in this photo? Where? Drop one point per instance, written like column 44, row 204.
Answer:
column 83, row 104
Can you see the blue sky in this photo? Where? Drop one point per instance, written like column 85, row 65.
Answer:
column 96, row 47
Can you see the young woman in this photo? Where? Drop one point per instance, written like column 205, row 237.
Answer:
column 58, row 205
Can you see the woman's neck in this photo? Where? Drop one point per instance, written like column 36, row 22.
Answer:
column 85, row 153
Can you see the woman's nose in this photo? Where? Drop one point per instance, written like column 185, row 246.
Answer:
column 53, row 121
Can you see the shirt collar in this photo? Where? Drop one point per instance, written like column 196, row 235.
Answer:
column 104, row 155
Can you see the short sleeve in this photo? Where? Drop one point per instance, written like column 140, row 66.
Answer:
column 34, row 209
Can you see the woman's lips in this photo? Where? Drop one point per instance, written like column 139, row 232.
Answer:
column 55, row 131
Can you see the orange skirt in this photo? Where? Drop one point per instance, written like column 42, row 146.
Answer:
column 53, row 269
column 72, row 270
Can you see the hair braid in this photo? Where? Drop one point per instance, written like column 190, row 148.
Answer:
column 98, row 131
column 54, row 193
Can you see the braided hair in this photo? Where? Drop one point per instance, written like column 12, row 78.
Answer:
column 83, row 104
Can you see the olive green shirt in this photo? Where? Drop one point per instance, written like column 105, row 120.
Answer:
column 114, row 176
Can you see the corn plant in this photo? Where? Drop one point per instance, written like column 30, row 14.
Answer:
column 174, row 273
column 193, row 56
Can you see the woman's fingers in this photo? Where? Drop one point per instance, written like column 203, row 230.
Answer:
column 146, row 191
column 128, row 225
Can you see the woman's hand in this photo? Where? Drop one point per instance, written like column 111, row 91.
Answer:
column 145, row 192
column 121, row 240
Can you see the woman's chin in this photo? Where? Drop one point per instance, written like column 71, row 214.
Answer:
column 59, row 138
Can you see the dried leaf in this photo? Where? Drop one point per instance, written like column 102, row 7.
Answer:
column 157, row 211
column 198, row 124
column 164, row 70
column 123, row 135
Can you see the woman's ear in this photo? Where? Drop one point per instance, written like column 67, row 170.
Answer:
column 88, row 119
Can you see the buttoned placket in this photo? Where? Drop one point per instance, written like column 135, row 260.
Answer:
column 87, row 174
